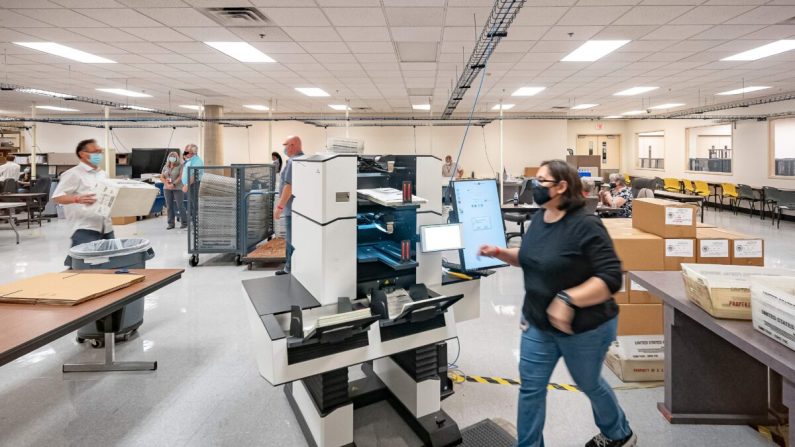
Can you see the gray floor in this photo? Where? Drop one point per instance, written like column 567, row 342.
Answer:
column 206, row 390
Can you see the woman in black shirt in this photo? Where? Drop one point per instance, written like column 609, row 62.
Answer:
column 570, row 273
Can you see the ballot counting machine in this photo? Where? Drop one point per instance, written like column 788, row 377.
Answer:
column 362, row 292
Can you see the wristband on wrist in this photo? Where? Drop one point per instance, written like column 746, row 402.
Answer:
column 279, row 207
column 566, row 298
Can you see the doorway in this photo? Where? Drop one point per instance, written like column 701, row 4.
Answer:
column 606, row 146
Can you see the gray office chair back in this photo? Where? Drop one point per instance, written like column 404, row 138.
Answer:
column 9, row 185
column 591, row 203
column 772, row 194
column 745, row 192
column 526, row 193
column 645, row 193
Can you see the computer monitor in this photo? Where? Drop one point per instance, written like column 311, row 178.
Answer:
column 441, row 237
column 476, row 206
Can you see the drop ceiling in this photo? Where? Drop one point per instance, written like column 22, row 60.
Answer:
column 379, row 54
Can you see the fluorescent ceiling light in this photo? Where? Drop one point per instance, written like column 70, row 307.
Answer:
column 312, row 91
column 59, row 109
column 594, row 50
column 35, row 91
column 241, row 51
column 583, row 106
column 67, row 52
column 257, row 107
column 743, row 90
column 669, row 105
column 633, row 112
column 139, row 108
column 635, row 91
column 191, row 107
column 770, row 49
column 340, row 107
column 527, row 91
column 421, row 106
column 124, row 92
column 612, row 117
column 504, row 106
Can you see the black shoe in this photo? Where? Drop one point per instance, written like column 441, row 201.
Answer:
column 170, row 227
column 281, row 272
column 183, row 226
column 601, row 441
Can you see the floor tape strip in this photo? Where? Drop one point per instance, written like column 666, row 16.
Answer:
column 458, row 378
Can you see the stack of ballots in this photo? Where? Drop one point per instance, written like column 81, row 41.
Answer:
column 217, row 212
column 259, row 214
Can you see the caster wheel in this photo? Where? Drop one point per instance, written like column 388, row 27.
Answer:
column 126, row 337
column 238, row 260
column 80, row 340
column 97, row 344
column 194, row 261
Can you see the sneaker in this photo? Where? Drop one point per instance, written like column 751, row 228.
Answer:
column 183, row 226
column 170, row 227
column 281, row 272
column 601, row 440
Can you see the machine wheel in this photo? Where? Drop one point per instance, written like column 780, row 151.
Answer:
column 80, row 340
column 194, row 260
column 238, row 260
column 96, row 344
column 126, row 337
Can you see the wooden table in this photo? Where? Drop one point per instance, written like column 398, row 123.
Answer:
column 27, row 327
column 29, row 198
column 8, row 206
column 716, row 370
column 684, row 198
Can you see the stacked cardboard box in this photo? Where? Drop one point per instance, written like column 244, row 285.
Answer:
column 637, row 358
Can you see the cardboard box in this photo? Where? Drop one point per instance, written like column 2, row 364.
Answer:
column 704, row 225
column 745, row 250
column 773, row 307
column 724, row 291
column 712, row 247
column 637, row 358
column 64, row 289
column 124, row 220
column 531, row 171
column 665, row 218
column 678, row 252
column 123, row 198
column 640, row 319
column 638, row 250
column 640, row 295
column 622, row 296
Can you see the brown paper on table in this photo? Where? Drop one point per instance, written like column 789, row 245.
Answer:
column 65, row 288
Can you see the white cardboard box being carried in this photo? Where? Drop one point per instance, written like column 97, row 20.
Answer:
column 773, row 307
column 724, row 291
column 123, row 198
column 637, row 358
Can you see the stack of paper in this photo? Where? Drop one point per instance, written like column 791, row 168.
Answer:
column 387, row 196
column 217, row 212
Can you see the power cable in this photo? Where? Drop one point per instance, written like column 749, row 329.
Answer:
column 485, row 149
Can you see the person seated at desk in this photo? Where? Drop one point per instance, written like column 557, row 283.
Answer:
column 9, row 169
column 588, row 186
column 619, row 196
column 447, row 168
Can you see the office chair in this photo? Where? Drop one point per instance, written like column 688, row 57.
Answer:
column 520, row 217
column 42, row 185
column 591, row 204
column 645, row 193
column 9, row 186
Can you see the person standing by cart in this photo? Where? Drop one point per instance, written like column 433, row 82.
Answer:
column 191, row 179
column 292, row 148
column 172, row 190
column 75, row 191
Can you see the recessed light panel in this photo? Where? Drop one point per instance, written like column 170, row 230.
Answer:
column 124, row 92
column 57, row 49
column 738, row 91
column 594, row 50
column 583, row 106
column 770, row 49
column 635, row 91
column 527, row 91
column 241, row 51
column 311, row 91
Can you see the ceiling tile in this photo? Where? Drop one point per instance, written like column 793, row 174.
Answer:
column 55, row 35
column 312, row 33
column 417, row 17
column 727, row 31
column 324, row 47
column 462, row 33
column 370, row 47
column 581, row 33
column 106, row 34
column 188, row 47
column 119, row 17
column 416, row 34
column 772, row 32
column 57, row 17
column 364, row 34
column 141, row 47
column 675, row 32
column 531, row 16
column 348, row 3
column 710, row 15
column 208, row 33
column 624, row 32
column 278, row 47
column 651, row 15
column 468, row 16
column 178, row 16
column 764, row 15
column 257, row 34
column 594, row 15
column 296, row 16
column 355, row 16
column 159, row 3
column 88, row 3
column 526, row 32
column 159, row 34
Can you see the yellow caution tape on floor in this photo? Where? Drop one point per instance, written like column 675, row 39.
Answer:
column 460, row 378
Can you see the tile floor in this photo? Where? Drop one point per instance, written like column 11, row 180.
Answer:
column 207, row 392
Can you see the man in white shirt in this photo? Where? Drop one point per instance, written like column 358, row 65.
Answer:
column 75, row 191
column 9, row 169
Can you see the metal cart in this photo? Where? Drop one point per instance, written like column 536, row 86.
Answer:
column 230, row 209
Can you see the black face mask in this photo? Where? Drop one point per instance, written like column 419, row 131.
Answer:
column 612, row 185
column 540, row 193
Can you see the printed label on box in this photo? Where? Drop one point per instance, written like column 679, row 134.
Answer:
column 748, row 248
column 637, row 287
column 678, row 216
column 714, row 248
column 679, row 248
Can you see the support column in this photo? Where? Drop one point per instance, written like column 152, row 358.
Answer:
column 33, row 145
column 108, row 154
column 501, row 174
column 213, row 150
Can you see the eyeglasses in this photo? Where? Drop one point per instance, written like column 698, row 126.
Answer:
column 544, row 180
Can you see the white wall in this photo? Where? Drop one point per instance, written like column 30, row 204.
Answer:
column 784, row 138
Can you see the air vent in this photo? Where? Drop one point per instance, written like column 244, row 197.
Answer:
column 362, row 109
column 559, row 108
column 203, row 92
column 237, row 16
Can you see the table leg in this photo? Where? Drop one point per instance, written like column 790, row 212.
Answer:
column 708, row 380
column 110, row 363
column 789, row 401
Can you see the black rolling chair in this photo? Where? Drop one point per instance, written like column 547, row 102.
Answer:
column 42, row 185
column 520, row 217
column 591, row 204
column 9, row 185
column 745, row 192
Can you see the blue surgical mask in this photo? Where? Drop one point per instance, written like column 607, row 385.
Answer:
column 172, row 159
column 95, row 159
column 285, row 151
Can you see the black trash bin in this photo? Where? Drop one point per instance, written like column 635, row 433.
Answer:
column 113, row 254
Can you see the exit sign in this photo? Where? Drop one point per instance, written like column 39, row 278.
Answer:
column 599, row 126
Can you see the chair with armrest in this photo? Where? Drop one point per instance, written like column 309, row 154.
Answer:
column 520, row 217
column 42, row 185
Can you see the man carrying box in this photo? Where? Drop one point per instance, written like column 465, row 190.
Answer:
column 75, row 191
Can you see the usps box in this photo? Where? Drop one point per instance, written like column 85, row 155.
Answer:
column 724, row 291
column 123, row 198
column 773, row 307
column 638, row 358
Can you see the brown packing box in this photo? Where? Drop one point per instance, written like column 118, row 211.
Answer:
column 744, row 249
column 622, row 296
column 639, row 295
column 704, row 225
column 64, row 289
column 531, row 171
column 712, row 247
column 637, row 358
column 665, row 218
column 638, row 250
column 678, row 252
column 640, row 319
column 124, row 220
